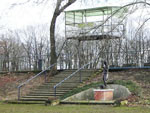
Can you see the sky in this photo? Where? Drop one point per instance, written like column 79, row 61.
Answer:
column 14, row 16
column 22, row 15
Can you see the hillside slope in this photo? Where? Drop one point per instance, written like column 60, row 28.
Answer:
column 139, row 76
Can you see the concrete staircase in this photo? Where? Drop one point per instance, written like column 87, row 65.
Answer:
column 45, row 91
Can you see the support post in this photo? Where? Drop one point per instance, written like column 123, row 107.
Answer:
column 18, row 93
column 79, row 52
column 40, row 64
column 45, row 73
column 55, row 92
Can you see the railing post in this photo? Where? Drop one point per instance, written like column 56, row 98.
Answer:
column 41, row 73
column 55, row 92
column 45, row 76
column 79, row 52
column 18, row 93
column 80, row 76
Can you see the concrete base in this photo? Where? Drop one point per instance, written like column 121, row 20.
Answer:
column 89, row 102
column 103, row 94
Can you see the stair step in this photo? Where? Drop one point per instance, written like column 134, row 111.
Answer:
column 72, row 70
column 44, row 94
column 49, row 83
column 39, row 96
column 59, row 87
column 52, row 89
column 73, row 79
column 63, row 73
column 57, row 77
column 43, row 91
column 25, row 102
column 47, row 92
column 89, row 102
column 33, row 99
column 40, row 90
column 51, row 86
column 62, row 85
column 63, row 82
column 76, row 75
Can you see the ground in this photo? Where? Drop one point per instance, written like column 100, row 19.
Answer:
column 139, row 76
column 10, row 81
column 15, row 108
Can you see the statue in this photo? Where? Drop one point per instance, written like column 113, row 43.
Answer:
column 105, row 74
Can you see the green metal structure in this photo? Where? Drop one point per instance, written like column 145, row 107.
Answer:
column 95, row 23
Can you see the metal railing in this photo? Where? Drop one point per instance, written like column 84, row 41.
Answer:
column 73, row 74
column 37, row 75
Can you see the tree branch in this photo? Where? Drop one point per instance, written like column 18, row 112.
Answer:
column 66, row 5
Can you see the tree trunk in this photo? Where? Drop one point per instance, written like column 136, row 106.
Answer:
column 52, row 39
column 53, row 55
column 57, row 12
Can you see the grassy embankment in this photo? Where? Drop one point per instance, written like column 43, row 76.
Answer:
column 22, row 108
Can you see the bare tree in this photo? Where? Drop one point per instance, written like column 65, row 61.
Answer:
column 60, row 7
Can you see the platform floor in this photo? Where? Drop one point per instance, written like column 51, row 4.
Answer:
column 93, row 37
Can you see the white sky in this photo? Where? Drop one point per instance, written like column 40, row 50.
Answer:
column 30, row 14
column 22, row 15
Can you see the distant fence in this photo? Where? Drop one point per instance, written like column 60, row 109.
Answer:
column 35, row 63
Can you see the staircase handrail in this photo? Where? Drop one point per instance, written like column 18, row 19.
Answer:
column 36, row 75
column 24, row 83
column 55, row 86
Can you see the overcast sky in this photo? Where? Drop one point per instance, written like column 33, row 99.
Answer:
column 14, row 16
column 30, row 14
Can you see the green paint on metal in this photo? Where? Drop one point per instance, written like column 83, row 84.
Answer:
column 77, row 16
column 88, row 24
column 99, row 11
column 95, row 20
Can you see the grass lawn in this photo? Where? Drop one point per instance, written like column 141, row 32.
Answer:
column 16, row 108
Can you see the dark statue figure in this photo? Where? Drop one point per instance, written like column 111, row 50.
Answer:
column 105, row 74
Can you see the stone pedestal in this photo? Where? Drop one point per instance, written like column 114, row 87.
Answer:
column 103, row 94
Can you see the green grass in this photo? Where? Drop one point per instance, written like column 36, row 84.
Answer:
column 77, row 90
column 16, row 108
column 129, row 84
